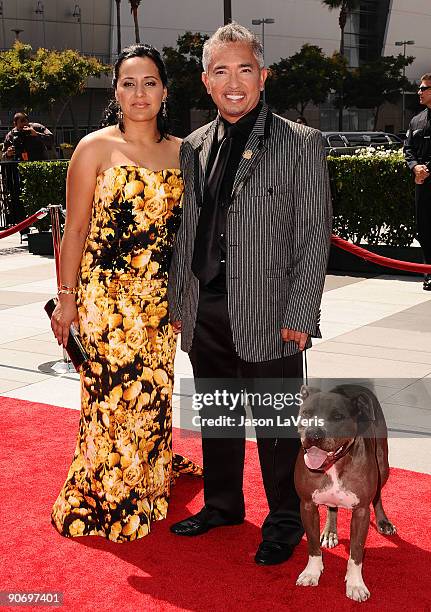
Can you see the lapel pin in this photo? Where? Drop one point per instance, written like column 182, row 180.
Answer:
column 248, row 154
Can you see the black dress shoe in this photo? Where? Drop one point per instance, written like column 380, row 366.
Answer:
column 272, row 553
column 198, row 524
column 427, row 282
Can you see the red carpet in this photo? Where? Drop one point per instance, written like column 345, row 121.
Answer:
column 214, row 572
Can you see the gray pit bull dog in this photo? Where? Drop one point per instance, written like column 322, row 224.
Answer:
column 343, row 463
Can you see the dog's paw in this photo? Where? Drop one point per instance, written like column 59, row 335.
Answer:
column 355, row 585
column 385, row 527
column 329, row 539
column 357, row 592
column 310, row 576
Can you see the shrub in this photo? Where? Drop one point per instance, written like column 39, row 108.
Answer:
column 373, row 197
column 372, row 192
column 42, row 183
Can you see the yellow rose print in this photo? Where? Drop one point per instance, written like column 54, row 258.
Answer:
column 120, row 476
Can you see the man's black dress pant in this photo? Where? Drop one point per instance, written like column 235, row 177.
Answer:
column 423, row 218
column 213, row 356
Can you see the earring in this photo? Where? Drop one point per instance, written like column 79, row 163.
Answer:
column 120, row 116
column 164, row 110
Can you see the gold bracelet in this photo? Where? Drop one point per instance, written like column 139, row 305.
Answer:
column 67, row 288
column 67, row 291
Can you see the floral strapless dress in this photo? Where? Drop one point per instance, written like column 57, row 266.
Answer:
column 123, row 466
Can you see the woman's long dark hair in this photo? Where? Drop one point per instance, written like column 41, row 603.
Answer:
column 112, row 115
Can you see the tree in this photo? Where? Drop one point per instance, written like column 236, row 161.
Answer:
column 377, row 82
column 227, row 11
column 186, row 91
column 118, row 3
column 346, row 7
column 134, row 5
column 306, row 77
column 38, row 80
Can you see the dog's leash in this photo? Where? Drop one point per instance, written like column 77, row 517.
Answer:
column 304, row 367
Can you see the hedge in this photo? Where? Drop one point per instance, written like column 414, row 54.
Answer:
column 42, row 183
column 373, row 195
column 373, row 198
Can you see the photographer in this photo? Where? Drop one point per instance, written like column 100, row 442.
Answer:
column 27, row 141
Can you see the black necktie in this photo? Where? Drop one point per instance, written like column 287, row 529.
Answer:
column 206, row 254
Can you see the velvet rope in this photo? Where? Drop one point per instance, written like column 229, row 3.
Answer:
column 23, row 224
column 379, row 259
column 388, row 262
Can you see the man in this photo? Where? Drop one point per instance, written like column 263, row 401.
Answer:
column 27, row 141
column 417, row 152
column 247, row 273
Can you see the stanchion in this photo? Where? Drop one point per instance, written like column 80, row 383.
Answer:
column 65, row 365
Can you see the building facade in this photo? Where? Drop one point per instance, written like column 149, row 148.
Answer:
column 90, row 26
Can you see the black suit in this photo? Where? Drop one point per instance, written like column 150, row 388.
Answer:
column 213, row 356
column 278, row 225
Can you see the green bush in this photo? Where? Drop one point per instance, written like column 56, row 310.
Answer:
column 373, row 195
column 42, row 183
column 373, row 198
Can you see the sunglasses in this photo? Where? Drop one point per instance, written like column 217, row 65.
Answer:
column 424, row 87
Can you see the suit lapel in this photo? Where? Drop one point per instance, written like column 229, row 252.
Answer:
column 256, row 145
column 201, row 155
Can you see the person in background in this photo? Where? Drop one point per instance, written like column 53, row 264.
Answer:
column 417, row 152
column 301, row 120
column 27, row 141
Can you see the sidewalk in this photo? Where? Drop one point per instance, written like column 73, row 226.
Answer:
column 373, row 328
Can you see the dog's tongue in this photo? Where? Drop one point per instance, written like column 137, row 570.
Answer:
column 315, row 457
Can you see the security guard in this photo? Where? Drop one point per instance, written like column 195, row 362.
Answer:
column 417, row 152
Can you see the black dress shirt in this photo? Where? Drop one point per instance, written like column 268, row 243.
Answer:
column 242, row 131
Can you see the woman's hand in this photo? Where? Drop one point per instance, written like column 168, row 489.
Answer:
column 176, row 326
column 65, row 313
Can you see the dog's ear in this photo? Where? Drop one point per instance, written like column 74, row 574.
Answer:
column 306, row 391
column 364, row 407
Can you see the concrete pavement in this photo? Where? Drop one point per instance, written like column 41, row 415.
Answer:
column 376, row 329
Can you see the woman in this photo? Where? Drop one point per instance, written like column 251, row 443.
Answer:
column 124, row 193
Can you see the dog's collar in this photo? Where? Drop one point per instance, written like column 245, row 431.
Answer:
column 333, row 457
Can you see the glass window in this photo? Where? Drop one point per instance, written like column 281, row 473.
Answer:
column 335, row 140
column 378, row 139
column 357, row 140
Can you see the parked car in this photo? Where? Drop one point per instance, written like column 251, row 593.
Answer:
column 346, row 143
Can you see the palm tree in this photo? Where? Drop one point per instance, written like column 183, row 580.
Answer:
column 134, row 4
column 227, row 12
column 346, row 7
column 118, row 2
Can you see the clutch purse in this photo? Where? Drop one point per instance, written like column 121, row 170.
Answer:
column 75, row 349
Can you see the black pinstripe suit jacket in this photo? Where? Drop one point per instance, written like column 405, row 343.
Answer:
column 277, row 234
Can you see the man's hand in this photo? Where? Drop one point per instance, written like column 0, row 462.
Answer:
column 10, row 152
column 299, row 337
column 421, row 173
column 29, row 130
column 176, row 326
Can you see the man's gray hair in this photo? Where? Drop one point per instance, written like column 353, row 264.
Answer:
column 231, row 33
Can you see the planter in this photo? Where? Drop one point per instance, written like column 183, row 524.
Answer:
column 40, row 243
column 342, row 261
